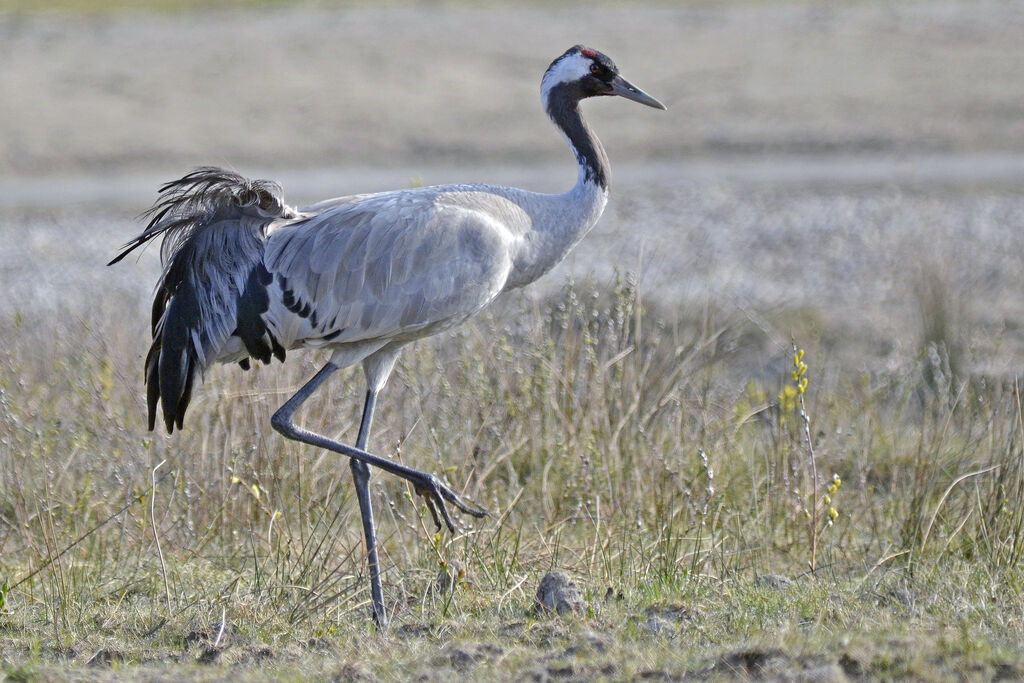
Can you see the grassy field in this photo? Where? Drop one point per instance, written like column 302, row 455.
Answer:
column 608, row 438
column 643, row 432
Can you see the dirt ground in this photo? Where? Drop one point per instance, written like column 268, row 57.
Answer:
column 830, row 162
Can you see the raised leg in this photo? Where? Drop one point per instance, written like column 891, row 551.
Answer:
column 427, row 485
column 361, row 476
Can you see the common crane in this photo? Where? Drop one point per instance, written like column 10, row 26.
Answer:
column 247, row 277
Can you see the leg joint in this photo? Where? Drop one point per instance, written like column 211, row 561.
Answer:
column 281, row 421
column 360, row 470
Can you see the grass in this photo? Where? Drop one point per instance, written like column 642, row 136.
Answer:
column 650, row 453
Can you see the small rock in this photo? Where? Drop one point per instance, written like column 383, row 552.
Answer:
column 556, row 593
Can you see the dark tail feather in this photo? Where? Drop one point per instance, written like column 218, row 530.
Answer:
column 177, row 364
column 153, row 380
column 169, row 377
column 212, row 223
column 186, row 396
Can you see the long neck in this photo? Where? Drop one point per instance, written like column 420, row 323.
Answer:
column 564, row 110
column 558, row 222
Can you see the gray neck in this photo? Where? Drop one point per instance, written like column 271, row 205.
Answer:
column 558, row 222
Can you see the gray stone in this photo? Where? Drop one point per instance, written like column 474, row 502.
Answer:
column 557, row 594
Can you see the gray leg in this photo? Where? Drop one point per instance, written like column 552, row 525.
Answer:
column 361, row 475
column 427, row 485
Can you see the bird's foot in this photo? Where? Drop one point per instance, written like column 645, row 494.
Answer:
column 436, row 493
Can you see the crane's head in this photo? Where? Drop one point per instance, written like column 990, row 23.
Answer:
column 582, row 72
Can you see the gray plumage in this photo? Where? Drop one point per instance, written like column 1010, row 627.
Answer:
column 246, row 276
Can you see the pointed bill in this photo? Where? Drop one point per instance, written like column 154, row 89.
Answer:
column 623, row 88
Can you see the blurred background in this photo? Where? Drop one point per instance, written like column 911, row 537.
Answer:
column 848, row 172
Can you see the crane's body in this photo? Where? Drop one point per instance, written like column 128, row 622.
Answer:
column 389, row 268
column 248, row 277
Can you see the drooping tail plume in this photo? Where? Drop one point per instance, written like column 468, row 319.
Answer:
column 213, row 223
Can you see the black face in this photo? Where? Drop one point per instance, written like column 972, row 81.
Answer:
column 602, row 71
column 602, row 68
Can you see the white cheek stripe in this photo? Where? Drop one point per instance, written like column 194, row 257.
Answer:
column 565, row 70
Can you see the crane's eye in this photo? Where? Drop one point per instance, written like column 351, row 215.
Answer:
column 595, row 68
